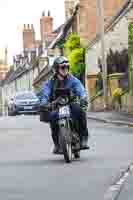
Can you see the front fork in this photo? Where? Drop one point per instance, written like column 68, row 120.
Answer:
column 65, row 123
column 72, row 135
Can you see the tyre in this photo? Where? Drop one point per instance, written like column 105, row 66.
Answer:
column 77, row 154
column 65, row 144
column 9, row 112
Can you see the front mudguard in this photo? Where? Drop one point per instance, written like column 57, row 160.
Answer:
column 65, row 130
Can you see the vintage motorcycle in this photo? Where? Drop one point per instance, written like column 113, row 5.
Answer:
column 69, row 139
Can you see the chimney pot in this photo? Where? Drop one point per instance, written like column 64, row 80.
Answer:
column 43, row 13
column 48, row 13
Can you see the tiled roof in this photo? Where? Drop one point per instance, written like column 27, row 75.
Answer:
column 58, row 29
column 45, row 71
column 12, row 75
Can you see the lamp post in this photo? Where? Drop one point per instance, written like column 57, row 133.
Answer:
column 100, row 23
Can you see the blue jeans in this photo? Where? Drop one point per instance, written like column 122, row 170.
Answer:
column 77, row 115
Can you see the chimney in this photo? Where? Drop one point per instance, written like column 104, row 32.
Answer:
column 46, row 25
column 49, row 13
column 28, row 37
column 43, row 13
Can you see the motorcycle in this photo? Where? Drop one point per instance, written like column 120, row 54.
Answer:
column 68, row 135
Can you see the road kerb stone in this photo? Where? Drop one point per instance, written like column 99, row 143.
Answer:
column 116, row 122
column 115, row 189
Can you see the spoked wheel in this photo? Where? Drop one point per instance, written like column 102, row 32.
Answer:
column 66, row 145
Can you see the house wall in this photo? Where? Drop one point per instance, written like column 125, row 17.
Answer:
column 85, row 22
column 88, row 19
column 115, row 39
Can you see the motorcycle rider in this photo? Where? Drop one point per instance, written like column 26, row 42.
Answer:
column 63, row 79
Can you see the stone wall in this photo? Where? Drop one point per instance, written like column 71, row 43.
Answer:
column 116, row 39
column 96, row 99
column 127, row 103
column 88, row 13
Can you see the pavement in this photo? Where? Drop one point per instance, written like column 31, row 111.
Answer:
column 121, row 119
column 112, row 117
column 126, row 192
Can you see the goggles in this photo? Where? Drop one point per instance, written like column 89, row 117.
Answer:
column 64, row 66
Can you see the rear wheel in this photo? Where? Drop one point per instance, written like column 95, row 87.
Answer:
column 66, row 144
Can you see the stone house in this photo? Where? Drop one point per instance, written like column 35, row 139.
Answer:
column 3, row 63
column 19, row 79
column 116, row 40
column 85, row 20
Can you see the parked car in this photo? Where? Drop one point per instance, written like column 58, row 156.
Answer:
column 24, row 102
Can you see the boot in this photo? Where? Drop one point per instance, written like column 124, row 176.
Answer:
column 83, row 130
column 54, row 130
column 84, row 143
column 56, row 148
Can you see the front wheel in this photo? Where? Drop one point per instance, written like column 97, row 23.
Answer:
column 65, row 143
column 77, row 154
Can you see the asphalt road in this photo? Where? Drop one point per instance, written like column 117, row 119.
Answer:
column 29, row 171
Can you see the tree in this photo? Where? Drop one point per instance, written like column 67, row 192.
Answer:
column 130, row 39
column 76, row 56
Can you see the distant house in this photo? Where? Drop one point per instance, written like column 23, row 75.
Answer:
column 19, row 79
column 46, row 64
column 3, row 63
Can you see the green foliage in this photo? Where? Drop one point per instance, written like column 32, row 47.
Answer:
column 60, row 44
column 130, row 56
column 76, row 55
column 73, row 42
column 130, row 38
column 76, row 59
column 130, row 41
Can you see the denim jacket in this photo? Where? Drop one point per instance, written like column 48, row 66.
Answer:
column 70, row 82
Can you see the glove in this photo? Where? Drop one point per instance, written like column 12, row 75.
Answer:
column 84, row 104
column 45, row 107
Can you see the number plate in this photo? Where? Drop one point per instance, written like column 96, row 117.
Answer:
column 64, row 111
column 27, row 107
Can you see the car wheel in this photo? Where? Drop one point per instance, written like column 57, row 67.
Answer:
column 11, row 112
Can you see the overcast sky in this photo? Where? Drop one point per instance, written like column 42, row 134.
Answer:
column 15, row 13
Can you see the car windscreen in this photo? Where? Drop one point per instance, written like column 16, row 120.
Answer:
column 25, row 96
